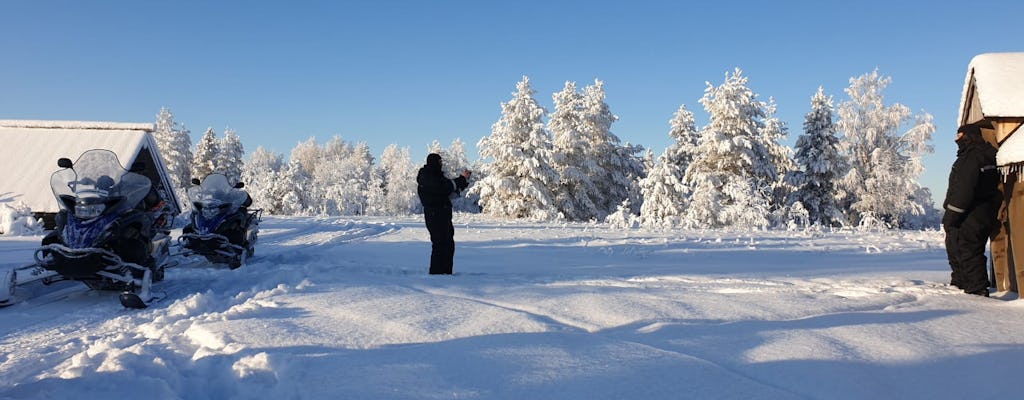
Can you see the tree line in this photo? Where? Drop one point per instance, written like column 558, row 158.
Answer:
column 855, row 164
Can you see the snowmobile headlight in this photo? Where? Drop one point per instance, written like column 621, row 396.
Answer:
column 89, row 211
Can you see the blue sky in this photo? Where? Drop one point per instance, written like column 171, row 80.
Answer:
column 410, row 72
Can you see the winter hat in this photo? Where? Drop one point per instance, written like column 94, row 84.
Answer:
column 434, row 160
column 971, row 131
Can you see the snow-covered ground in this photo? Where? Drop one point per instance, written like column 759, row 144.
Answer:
column 342, row 308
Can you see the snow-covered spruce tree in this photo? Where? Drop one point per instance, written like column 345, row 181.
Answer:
column 229, row 160
column 260, row 175
column 207, row 153
column 818, row 165
column 683, row 131
column 175, row 148
column 665, row 196
column 883, row 164
column 731, row 177
column 575, row 193
column 184, row 156
column 618, row 166
column 519, row 176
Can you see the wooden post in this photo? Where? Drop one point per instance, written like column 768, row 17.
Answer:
column 1001, row 260
column 1015, row 209
column 1000, row 244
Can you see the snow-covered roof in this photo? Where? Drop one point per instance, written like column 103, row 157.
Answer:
column 1011, row 151
column 31, row 150
column 998, row 80
column 116, row 126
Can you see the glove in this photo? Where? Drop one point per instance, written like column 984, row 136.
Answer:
column 952, row 219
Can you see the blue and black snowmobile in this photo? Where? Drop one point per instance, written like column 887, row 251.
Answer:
column 105, row 235
column 223, row 228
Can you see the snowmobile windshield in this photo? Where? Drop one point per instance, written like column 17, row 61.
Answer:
column 215, row 195
column 97, row 183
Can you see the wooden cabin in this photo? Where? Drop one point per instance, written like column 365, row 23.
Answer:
column 993, row 98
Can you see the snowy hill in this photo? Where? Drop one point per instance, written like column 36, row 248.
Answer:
column 342, row 308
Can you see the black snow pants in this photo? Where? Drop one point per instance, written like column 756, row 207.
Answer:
column 442, row 239
column 965, row 248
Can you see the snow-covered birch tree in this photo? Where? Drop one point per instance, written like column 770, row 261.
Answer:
column 260, row 176
column 884, row 163
column 292, row 189
column 395, row 181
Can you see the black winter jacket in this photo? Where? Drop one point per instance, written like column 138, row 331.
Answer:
column 973, row 179
column 434, row 189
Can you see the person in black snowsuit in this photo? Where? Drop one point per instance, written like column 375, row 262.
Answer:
column 434, row 190
column 972, row 201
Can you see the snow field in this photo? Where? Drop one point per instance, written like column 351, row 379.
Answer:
column 343, row 308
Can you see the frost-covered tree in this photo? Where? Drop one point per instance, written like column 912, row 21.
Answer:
column 683, row 131
column 393, row 187
column 207, row 153
column 818, row 165
column 358, row 168
column 884, row 164
column 575, row 194
column 327, row 168
column 175, row 148
column 229, row 159
column 618, row 166
column 260, row 176
column 292, row 189
column 453, row 162
column 730, row 175
column 623, row 217
column 307, row 154
column 520, row 174
column 343, row 175
column 780, row 156
column 664, row 193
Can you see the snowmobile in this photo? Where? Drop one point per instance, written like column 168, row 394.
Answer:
column 104, row 234
column 222, row 228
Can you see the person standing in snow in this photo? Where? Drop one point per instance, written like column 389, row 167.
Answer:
column 972, row 201
column 434, row 190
